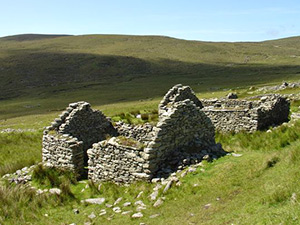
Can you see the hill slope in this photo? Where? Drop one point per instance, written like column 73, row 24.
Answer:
column 43, row 61
column 39, row 73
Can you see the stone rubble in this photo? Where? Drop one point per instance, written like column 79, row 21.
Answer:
column 97, row 201
column 137, row 215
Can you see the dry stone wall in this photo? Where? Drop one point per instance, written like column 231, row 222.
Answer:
column 66, row 141
column 139, row 132
column 273, row 110
column 242, row 115
column 113, row 161
column 183, row 131
column 63, row 151
column 176, row 94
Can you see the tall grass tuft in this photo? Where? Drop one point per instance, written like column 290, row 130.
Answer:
column 278, row 138
column 52, row 177
column 18, row 150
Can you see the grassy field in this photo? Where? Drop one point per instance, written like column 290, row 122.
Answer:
column 41, row 75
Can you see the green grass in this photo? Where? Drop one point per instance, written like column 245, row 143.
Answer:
column 255, row 188
column 18, row 150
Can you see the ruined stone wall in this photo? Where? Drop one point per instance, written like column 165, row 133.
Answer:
column 182, row 127
column 119, row 160
column 273, row 110
column 176, row 94
column 85, row 124
column 140, row 133
column 126, row 153
column 63, row 151
column 226, row 120
column 78, row 122
column 242, row 115
column 227, row 104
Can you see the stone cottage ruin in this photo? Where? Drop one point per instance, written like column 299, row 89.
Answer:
column 232, row 115
column 185, row 133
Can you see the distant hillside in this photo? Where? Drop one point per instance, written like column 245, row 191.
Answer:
column 33, row 64
column 31, row 37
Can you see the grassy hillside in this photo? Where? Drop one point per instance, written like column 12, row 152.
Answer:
column 258, row 187
column 103, row 69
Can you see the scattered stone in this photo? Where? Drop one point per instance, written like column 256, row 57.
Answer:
column 127, row 204
column 139, row 203
column 206, row 157
column 154, row 216
column 118, row 201
column 157, row 187
column 294, row 198
column 56, row 191
column 178, row 183
column 117, row 210
column 236, row 155
column 108, row 205
column 168, row 186
column 207, row 206
column 140, row 194
column 46, row 215
column 87, row 223
column 232, row 96
column 39, row 192
column 140, row 208
column 126, row 212
column 184, row 173
column 155, row 180
column 92, row 216
column 153, row 195
column 76, row 211
column 97, row 201
column 137, row 215
column 158, row 203
column 191, row 169
column 102, row 212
